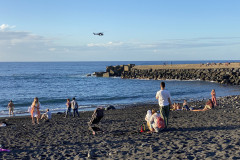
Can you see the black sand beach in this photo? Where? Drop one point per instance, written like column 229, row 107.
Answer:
column 212, row 134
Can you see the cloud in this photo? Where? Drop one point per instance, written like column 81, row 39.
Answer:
column 108, row 44
column 4, row 27
column 26, row 46
column 52, row 49
column 169, row 44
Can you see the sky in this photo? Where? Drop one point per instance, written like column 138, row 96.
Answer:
column 134, row 30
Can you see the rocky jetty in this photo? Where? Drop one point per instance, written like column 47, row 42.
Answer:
column 114, row 71
column 220, row 73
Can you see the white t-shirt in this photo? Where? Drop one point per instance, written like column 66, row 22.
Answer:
column 49, row 114
column 163, row 96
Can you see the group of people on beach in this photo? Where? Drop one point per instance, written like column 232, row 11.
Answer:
column 158, row 120
column 35, row 112
column 72, row 105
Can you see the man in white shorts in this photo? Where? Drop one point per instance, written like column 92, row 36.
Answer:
column 164, row 101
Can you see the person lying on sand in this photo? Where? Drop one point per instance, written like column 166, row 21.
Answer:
column 3, row 124
column 208, row 106
column 47, row 116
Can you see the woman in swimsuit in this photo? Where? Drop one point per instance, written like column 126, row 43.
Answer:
column 35, row 110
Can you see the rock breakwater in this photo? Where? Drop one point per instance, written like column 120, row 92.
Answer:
column 220, row 74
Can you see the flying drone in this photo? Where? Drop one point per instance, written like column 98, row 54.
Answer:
column 99, row 34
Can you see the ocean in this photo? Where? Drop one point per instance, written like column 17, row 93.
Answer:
column 54, row 82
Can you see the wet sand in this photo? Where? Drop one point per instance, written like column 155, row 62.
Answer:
column 213, row 134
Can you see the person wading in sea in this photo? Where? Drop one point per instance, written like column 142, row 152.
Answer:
column 11, row 108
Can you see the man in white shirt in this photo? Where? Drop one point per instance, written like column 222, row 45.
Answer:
column 164, row 101
column 74, row 106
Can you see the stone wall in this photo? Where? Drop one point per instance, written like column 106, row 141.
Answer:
column 219, row 75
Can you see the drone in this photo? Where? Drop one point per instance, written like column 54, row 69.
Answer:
column 100, row 33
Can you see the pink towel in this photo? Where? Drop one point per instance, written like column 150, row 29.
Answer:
column 4, row 150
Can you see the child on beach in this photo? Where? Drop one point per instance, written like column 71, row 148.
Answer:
column 47, row 116
column 35, row 110
column 213, row 93
column 147, row 118
column 11, row 108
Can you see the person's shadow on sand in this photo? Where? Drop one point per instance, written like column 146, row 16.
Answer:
column 212, row 128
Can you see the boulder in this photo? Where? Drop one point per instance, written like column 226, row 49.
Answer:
column 110, row 108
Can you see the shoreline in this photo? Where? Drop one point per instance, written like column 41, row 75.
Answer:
column 117, row 106
column 212, row 134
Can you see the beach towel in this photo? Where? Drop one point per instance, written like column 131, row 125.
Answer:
column 4, row 150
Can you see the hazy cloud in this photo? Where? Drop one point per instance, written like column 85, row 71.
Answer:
column 108, row 44
column 26, row 46
column 4, row 27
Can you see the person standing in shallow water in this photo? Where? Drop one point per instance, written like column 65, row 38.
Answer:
column 164, row 101
column 11, row 108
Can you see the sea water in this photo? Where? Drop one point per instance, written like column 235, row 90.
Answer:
column 54, row 82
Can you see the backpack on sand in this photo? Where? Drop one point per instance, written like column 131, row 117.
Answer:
column 160, row 122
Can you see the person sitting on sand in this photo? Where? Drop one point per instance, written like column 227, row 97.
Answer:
column 11, row 108
column 96, row 118
column 154, row 122
column 178, row 108
column 147, row 118
column 174, row 107
column 35, row 110
column 47, row 116
column 208, row 106
column 185, row 106
column 214, row 100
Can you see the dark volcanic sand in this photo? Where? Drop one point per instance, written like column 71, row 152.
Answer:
column 213, row 134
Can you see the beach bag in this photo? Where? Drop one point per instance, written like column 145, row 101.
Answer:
column 160, row 122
